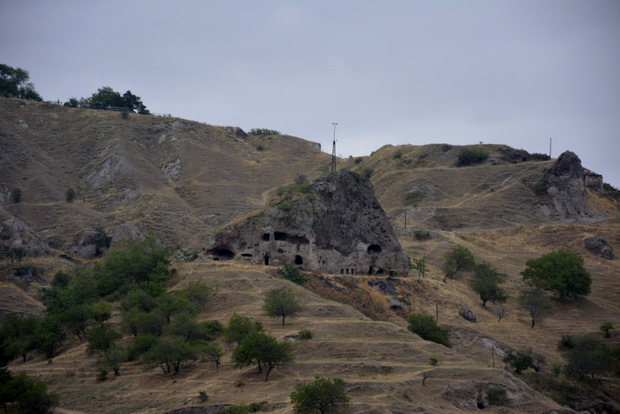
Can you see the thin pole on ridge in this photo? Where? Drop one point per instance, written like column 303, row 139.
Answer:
column 334, row 149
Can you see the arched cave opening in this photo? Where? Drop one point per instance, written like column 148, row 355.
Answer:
column 223, row 254
column 299, row 260
column 266, row 259
column 266, row 237
column 374, row 248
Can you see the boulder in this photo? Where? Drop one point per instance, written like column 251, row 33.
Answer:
column 87, row 245
column 467, row 315
column 337, row 226
column 599, row 246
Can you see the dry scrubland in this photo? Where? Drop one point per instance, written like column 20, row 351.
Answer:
column 382, row 362
column 183, row 180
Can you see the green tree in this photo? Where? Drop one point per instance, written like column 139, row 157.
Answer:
column 14, row 84
column 101, row 337
column 17, row 335
column 264, row 350
column 196, row 293
column 171, row 354
column 212, row 352
column 49, row 335
column 26, row 395
column 459, row 259
column 588, row 356
column 560, row 272
column 293, row 274
column 141, row 345
column 77, row 319
column 419, row 265
column 486, row 284
column 606, row 327
column 520, row 361
column 101, row 311
column 113, row 357
column 426, row 327
column 239, row 327
column 538, row 306
column 281, row 303
column 134, row 103
column 323, row 395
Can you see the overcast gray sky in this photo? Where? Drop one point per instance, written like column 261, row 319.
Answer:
column 389, row 72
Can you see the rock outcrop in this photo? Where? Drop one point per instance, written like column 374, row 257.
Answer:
column 337, row 226
column 599, row 246
column 566, row 187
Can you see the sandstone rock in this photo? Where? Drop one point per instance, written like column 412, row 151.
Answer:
column 599, row 245
column 468, row 315
column 337, row 227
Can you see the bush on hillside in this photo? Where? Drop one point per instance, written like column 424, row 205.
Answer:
column 470, row 156
column 426, row 327
column 263, row 131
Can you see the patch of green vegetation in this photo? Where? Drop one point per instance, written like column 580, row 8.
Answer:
column 471, row 156
column 414, row 197
column 263, row 131
column 426, row 327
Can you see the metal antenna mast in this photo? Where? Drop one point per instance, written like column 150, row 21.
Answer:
column 334, row 148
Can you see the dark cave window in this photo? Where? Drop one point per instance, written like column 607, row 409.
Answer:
column 267, row 259
column 278, row 235
column 266, row 237
column 299, row 260
column 374, row 248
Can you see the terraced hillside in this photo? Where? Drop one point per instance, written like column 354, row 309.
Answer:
column 383, row 364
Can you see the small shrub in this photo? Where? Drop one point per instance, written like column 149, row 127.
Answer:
column 433, row 361
column 260, row 147
column 414, row 197
column 422, row 235
column 539, row 157
column 471, row 156
column 102, row 374
column 358, row 160
column 263, row 131
column 540, row 187
column 497, row 396
column 606, row 327
column 520, row 361
column 398, row 155
column 366, row 172
column 203, row 397
column 556, row 369
column 16, row 195
column 567, row 342
column 293, row 274
column 426, row 327
column 305, row 334
column 125, row 113
column 70, row 195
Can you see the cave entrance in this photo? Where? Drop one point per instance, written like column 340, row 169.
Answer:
column 223, row 254
column 266, row 259
column 299, row 260
column 374, row 248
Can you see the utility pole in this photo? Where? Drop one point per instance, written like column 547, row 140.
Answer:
column 549, row 147
column 334, row 149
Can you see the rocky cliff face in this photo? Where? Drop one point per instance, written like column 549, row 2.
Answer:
column 566, row 187
column 338, row 226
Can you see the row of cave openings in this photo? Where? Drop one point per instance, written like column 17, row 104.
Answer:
column 226, row 254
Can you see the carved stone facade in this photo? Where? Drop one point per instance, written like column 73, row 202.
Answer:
column 336, row 227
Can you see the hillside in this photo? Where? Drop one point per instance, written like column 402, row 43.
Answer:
column 184, row 180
